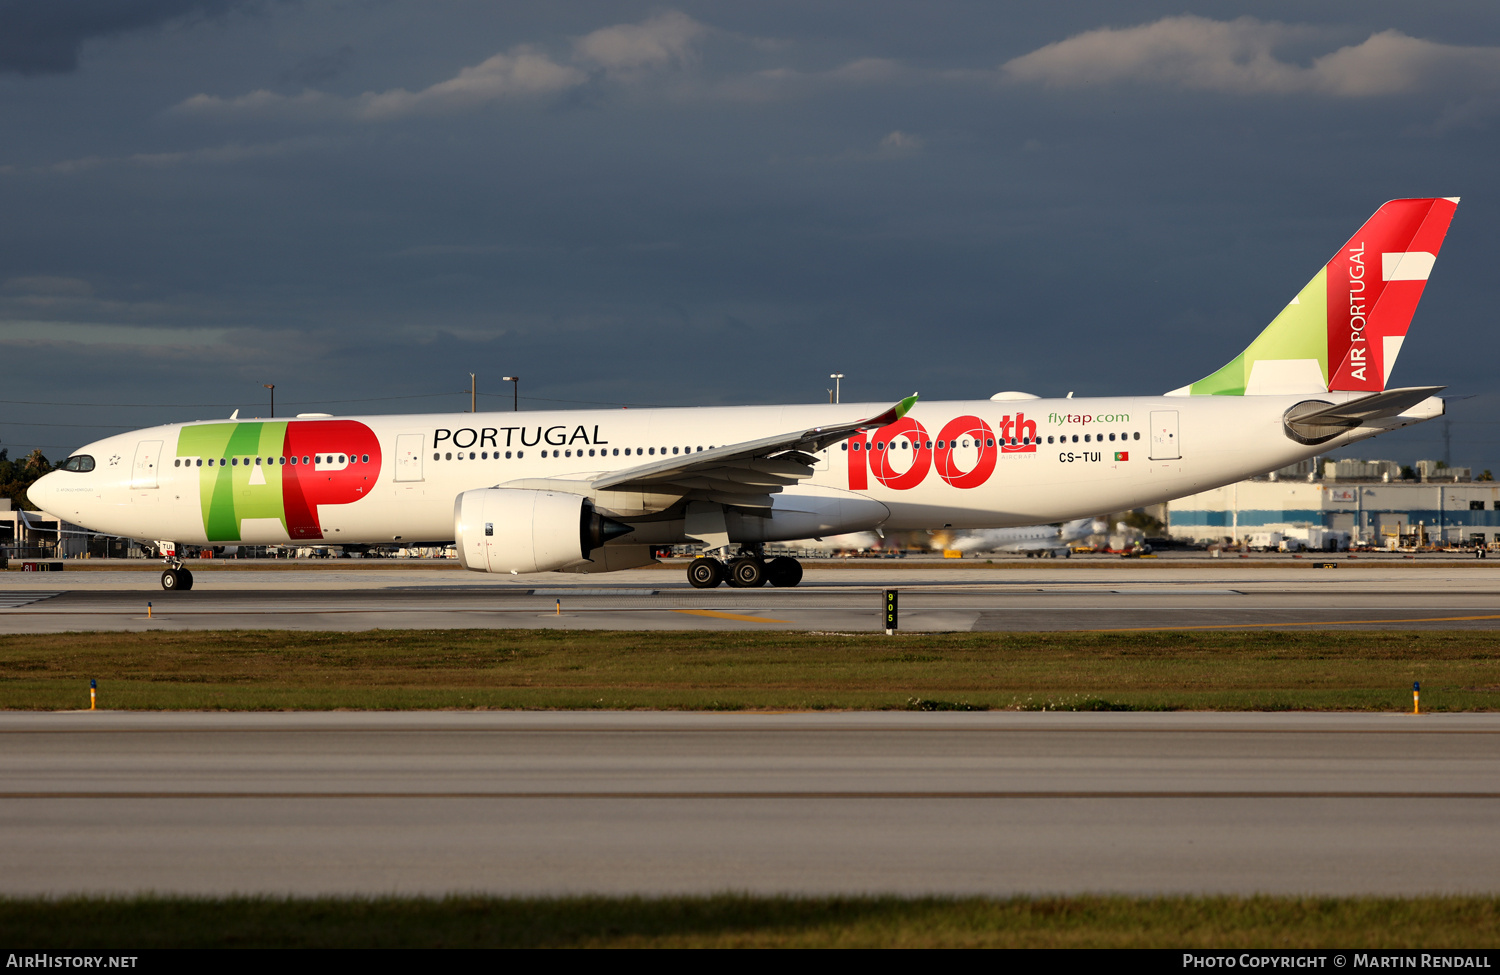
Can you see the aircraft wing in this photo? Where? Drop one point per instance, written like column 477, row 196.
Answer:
column 744, row 474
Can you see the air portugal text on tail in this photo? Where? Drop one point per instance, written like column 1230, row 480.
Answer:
column 599, row 490
column 1345, row 329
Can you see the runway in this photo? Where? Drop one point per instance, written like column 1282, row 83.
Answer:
column 1039, row 596
column 657, row 803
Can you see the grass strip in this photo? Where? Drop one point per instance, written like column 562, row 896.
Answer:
column 734, row 920
column 732, row 670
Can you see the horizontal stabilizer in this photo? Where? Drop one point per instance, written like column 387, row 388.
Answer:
column 1315, row 422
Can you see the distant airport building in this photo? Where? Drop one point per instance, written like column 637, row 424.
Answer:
column 37, row 534
column 1355, row 501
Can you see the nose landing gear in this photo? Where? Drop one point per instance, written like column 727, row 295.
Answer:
column 175, row 578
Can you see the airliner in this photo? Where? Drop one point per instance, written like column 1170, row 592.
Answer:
column 596, row 491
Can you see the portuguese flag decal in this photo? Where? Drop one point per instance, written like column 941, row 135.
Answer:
column 1122, row 455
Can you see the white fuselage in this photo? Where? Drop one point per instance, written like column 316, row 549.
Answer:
column 385, row 479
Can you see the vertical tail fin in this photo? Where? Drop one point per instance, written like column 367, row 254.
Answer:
column 1344, row 330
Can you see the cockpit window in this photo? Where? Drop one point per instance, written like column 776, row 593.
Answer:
column 79, row 463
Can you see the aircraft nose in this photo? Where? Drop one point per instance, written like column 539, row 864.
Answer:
column 43, row 492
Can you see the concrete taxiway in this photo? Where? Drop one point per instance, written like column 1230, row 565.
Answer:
column 552, row 803
column 1037, row 595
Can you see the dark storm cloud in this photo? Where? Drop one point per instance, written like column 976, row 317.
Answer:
column 44, row 36
column 319, row 69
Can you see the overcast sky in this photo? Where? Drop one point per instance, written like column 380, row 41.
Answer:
column 363, row 201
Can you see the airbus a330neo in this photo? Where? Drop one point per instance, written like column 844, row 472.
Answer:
column 597, row 490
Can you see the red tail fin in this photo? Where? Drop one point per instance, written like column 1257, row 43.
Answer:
column 1374, row 284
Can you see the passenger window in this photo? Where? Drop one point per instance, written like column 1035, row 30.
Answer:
column 1137, row 436
column 448, row 456
column 507, row 455
column 175, row 463
column 200, row 462
column 520, row 454
column 653, row 451
column 617, row 451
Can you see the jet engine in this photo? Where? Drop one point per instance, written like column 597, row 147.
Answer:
column 509, row 530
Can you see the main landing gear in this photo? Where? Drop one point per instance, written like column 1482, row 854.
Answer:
column 175, row 577
column 745, row 572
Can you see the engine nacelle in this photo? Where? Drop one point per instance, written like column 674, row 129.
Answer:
column 508, row 530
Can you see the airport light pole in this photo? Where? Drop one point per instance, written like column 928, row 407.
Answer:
column 515, row 391
column 837, row 377
column 272, row 388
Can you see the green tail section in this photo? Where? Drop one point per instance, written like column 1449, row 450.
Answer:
column 1299, row 333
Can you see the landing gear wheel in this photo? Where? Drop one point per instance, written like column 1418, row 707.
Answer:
column 783, row 572
column 747, row 573
column 184, row 579
column 705, row 573
column 171, row 580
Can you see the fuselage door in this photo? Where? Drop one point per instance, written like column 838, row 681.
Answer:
column 1164, row 440
column 409, row 457
column 147, row 456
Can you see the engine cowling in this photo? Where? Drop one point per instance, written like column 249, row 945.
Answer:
column 509, row 530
